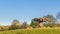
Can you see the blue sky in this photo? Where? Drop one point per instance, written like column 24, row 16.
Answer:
column 25, row 10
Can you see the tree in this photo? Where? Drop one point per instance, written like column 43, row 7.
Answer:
column 34, row 23
column 51, row 22
column 24, row 25
column 15, row 24
column 58, row 16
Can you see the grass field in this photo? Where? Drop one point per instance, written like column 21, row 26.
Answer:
column 33, row 31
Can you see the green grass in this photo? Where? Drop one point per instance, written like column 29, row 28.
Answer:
column 33, row 31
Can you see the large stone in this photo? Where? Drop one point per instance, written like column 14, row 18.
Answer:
column 41, row 24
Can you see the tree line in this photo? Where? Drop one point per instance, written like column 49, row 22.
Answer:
column 45, row 21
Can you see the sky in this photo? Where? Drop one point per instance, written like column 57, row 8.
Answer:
column 26, row 10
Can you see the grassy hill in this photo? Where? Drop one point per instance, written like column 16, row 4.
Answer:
column 33, row 31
